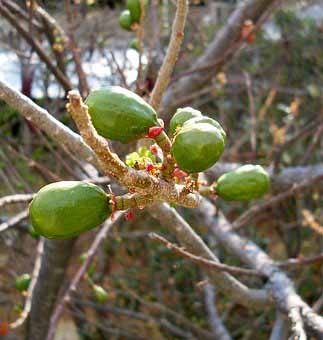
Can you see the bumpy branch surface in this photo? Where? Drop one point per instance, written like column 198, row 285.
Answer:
column 170, row 59
column 110, row 163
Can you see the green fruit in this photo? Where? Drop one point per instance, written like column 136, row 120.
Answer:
column 23, row 282
column 66, row 209
column 208, row 120
column 100, row 294
column 243, row 184
column 197, row 147
column 120, row 114
column 125, row 20
column 181, row 116
column 135, row 9
column 134, row 44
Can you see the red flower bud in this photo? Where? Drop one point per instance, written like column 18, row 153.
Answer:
column 179, row 173
column 155, row 131
column 150, row 167
column 130, row 215
column 154, row 150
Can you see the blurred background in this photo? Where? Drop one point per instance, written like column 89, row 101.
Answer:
column 269, row 100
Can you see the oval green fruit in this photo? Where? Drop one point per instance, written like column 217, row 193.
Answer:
column 181, row 116
column 22, row 282
column 100, row 294
column 135, row 9
column 125, row 20
column 243, row 184
column 134, row 44
column 208, row 120
column 197, row 147
column 120, row 114
column 66, row 209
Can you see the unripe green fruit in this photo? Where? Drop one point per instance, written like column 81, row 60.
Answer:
column 197, row 147
column 134, row 44
column 181, row 116
column 125, row 20
column 23, row 282
column 100, row 294
column 243, row 184
column 66, row 209
column 135, row 9
column 208, row 120
column 120, row 114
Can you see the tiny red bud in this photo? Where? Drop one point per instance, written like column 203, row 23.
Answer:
column 130, row 215
column 150, row 167
column 154, row 150
column 155, row 131
column 132, row 190
column 179, row 173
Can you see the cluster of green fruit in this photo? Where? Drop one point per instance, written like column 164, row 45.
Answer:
column 130, row 17
column 66, row 209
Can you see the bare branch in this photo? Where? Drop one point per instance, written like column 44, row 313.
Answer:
column 170, row 59
column 101, row 235
column 228, row 285
column 24, row 314
column 61, row 78
column 201, row 261
column 280, row 286
column 254, row 211
column 14, row 220
column 222, row 49
column 218, row 329
column 11, row 199
column 72, row 45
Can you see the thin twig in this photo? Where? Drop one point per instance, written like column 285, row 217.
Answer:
column 203, row 261
column 72, row 44
column 24, row 314
column 139, row 35
column 101, row 235
column 15, row 199
column 14, row 220
column 170, row 59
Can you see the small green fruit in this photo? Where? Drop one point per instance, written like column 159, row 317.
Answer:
column 100, row 294
column 125, row 20
column 208, row 120
column 120, row 114
column 197, row 147
column 66, row 209
column 23, row 282
column 135, row 9
column 243, row 184
column 181, row 116
column 134, row 44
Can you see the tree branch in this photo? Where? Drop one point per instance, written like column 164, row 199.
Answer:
column 170, row 59
column 280, row 286
column 219, row 49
